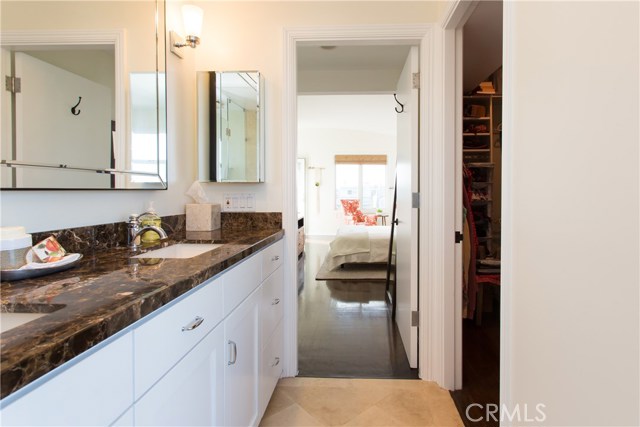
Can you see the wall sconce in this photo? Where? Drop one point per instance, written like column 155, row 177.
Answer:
column 192, row 17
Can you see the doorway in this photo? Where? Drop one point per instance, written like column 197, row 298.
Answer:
column 478, row 211
column 368, row 35
column 352, row 133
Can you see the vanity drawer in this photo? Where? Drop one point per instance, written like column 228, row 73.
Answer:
column 271, row 258
column 163, row 340
column 240, row 281
column 271, row 367
column 271, row 304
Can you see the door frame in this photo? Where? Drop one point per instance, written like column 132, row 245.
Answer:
column 452, row 24
column 431, row 309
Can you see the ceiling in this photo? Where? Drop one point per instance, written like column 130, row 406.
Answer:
column 350, row 68
column 350, row 57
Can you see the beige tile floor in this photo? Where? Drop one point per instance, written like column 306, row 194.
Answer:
column 359, row 402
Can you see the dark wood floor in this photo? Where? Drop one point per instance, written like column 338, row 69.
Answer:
column 344, row 328
column 480, row 368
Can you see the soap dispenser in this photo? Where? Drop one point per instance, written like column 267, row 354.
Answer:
column 150, row 217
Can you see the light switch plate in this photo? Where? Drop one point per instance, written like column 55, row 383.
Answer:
column 239, row 202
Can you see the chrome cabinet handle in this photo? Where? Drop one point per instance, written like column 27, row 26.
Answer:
column 276, row 301
column 276, row 363
column 234, row 353
column 275, row 258
column 194, row 324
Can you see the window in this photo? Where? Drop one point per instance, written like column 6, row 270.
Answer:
column 361, row 177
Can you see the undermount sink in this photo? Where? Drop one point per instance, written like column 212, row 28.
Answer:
column 13, row 320
column 180, row 250
column 13, row 316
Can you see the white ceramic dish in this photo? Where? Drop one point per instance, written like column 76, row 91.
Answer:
column 35, row 269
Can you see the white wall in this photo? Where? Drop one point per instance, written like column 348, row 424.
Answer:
column 236, row 36
column 571, row 229
column 341, row 124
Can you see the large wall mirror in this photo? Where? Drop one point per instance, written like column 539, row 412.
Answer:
column 84, row 105
column 230, row 126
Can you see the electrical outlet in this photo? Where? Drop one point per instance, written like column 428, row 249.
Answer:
column 226, row 204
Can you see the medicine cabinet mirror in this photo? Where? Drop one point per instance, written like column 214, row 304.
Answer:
column 84, row 105
column 230, row 126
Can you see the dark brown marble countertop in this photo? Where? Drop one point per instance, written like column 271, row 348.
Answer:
column 106, row 292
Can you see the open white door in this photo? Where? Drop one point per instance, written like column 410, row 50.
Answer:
column 407, row 215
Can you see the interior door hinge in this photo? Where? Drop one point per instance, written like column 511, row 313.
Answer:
column 415, row 318
column 416, row 80
column 415, row 200
column 459, row 237
column 12, row 84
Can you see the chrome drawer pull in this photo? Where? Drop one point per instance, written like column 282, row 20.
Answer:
column 276, row 301
column 277, row 362
column 191, row 326
column 275, row 258
column 234, row 353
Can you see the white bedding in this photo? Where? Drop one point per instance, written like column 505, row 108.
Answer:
column 359, row 244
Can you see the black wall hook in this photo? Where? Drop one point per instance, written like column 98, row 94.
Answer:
column 73, row 109
column 401, row 110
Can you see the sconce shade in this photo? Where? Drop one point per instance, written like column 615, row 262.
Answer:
column 192, row 17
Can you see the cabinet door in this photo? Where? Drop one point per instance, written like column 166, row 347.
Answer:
column 95, row 390
column 191, row 393
column 241, row 368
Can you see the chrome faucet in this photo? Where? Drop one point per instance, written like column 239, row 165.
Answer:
column 134, row 230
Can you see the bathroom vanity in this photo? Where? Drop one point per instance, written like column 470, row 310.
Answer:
column 148, row 341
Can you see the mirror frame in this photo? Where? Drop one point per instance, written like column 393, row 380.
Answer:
column 115, row 37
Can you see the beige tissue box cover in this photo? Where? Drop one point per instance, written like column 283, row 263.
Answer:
column 203, row 217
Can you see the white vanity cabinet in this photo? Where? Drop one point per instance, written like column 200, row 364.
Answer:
column 94, row 390
column 178, row 361
column 245, row 391
column 169, row 335
column 218, row 380
column 192, row 392
column 211, row 357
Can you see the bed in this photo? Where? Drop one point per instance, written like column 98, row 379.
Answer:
column 359, row 244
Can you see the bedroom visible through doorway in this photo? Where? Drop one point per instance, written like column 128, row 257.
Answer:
column 347, row 149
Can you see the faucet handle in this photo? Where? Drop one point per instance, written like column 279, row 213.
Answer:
column 133, row 218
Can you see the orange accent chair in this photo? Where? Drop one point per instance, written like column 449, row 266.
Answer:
column 353, row 214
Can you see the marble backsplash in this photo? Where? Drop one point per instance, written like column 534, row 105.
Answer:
column 106, row 236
